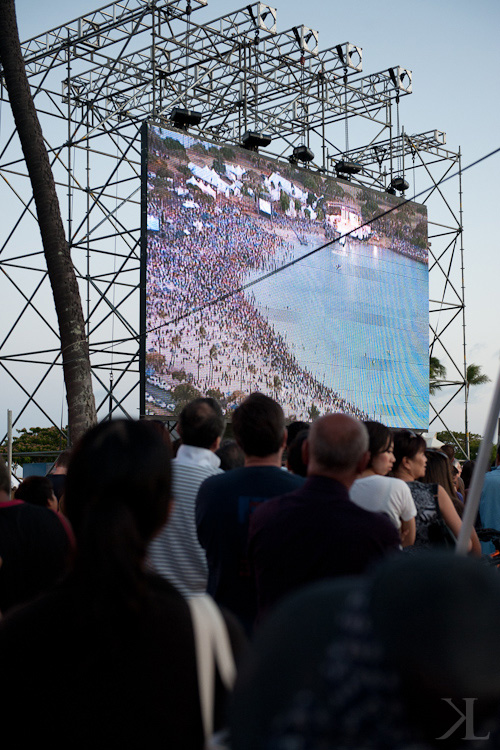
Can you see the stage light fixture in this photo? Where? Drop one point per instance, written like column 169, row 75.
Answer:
column 390, row 190
column 253, row 140
column 348, row 167
column 183, row 118
column 399, row 183
column 302, row 153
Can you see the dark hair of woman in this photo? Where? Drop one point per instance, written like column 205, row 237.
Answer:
column 118, row 491
column 295, row 462
column 380, row 439
column 230, row 454
column 406, row 445
column 37, row 491
column 438, row 471
column 467, row 469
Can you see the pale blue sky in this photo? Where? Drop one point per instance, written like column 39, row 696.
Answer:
column 451, row 46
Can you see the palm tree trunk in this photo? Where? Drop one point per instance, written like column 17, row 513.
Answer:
column 74, row 345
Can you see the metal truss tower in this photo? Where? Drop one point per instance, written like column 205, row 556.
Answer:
column 96, row 79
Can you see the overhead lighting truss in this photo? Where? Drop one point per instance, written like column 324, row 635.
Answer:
column 95, row 80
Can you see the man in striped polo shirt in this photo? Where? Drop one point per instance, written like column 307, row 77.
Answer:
column 175, row 553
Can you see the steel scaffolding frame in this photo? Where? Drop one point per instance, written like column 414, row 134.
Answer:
column 97, row 78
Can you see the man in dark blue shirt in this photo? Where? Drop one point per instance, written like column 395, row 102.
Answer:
column 226, row 502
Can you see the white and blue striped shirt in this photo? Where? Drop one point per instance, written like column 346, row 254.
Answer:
column 175, row 553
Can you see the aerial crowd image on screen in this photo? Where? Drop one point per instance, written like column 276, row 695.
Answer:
column 265, row 276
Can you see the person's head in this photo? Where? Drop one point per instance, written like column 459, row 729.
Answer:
column 337, row 446
column 293, row 429
column 201, row 423
column 449, row 451
column 380, row 447
column 438, row 471
column 61, row 463
column 409, row 454
column 119, row 473
column 449, row 608
column 466, row 475
column 4, row 477
column 118, row 492
column 497, row 461
column 259, row 426
column 37, row 490
column 162, row 429
column 294, row 454
column 230, row 454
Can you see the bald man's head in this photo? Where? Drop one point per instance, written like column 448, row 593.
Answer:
column 337, row 446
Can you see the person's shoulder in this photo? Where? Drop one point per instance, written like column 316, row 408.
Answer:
column 289, row 480
column 37, row 518
column 397, row 486
column 385, row 530
column 274, row 505
column 373, row 521
column 493, row 476
column 218, row 480
column 32, row 619
column 383, row 481
column 160, row 588
column 183, row 472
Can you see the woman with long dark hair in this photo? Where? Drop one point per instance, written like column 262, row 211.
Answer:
column 431, row 500
column 108, row 657
column 377, row 492
column 439, row 471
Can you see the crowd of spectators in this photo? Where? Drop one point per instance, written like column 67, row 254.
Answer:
column 348, row 626
column 205, row 252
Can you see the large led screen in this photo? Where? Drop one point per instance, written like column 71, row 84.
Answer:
column 341, row 329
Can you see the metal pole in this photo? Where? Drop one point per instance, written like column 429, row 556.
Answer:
column 111, row 395
column 466, row 404
column 9, row 445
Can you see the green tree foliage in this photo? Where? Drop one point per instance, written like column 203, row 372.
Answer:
column 474, row 376
column 171, row 144
column 199, row 148
column 311, row 182
column 37, row 439
column 179, row 375
column 163, row 173
column 228, row 153
column 183, row 394
column 219, row 166
column 369, row 208
column 156, row 361
column 216, row 394
column 437, row 372
column 284, row 201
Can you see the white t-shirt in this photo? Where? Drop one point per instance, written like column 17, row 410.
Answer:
column 384, row 495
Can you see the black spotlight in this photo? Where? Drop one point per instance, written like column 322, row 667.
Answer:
column 399, row 183
column 184, row 118
column 390, row 190
column 302, row 153
column 348, row 167
column 252, row 140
